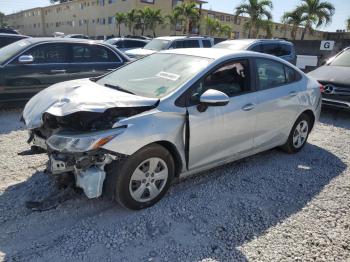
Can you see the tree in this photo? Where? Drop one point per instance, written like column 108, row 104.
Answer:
column 348, row 24
column 225, row 30
column 154, row 18
column 120, row 18
column 257, row 10
column 294, row 19
column 173, row 19
column 212, row 25
column 316, row 12
column 189, row 14
column 132, row 18
column 142, row 20
column 2, row 22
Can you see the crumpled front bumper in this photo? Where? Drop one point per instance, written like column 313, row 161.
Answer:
column 88, row 169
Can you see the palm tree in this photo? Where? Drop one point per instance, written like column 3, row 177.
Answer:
column 189, row 13
column 267, row 26
column 257, row 10
column 225, row 30
column 348, row 24
column 212, row 25
column 142, row 22
column 120, row 18
column 294, row 19
column 316, row 12
column 154, row 18
column 173, row 19
column 131, row 20
column 2, row 23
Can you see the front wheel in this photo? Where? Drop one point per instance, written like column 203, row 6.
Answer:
column 142, row 179
column 298, row 135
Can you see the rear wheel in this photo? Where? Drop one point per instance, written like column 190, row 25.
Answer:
column 142, row 179
column 298, row 135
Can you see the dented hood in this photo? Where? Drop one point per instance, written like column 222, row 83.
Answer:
column 75, row 96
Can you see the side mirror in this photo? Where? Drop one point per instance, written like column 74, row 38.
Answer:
column 26, row 59
column 213, row 97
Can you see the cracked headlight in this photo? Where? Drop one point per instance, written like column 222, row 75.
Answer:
column 66, row 143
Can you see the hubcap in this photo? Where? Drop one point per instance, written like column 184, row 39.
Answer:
column 300, row 134
column 148, row 179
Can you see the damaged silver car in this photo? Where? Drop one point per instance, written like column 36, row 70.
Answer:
column 130, row 133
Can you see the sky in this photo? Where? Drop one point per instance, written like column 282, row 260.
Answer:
column 227, row 6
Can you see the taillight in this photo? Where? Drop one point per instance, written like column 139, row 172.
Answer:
column 321, row 88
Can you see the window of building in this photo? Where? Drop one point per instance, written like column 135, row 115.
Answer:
column 147, row 1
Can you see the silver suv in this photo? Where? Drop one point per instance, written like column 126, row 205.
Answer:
column 276, row 47
column 171, row 42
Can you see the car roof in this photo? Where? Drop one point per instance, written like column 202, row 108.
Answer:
column 213, row 53
column 126, row 38
column 251, row 41
column 171, row 38
column 34, row 40
column 13, row 35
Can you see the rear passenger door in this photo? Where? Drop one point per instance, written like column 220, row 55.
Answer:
column 91, row 60
column 278, row 97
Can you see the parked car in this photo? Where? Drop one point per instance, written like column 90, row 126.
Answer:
column 276, row 47
column 335, row 77
column 31, row 64
column 171, row 114
column 78, row 36
column 125, row 44
column 170, row 42
column 6, row 39
column 8, row 30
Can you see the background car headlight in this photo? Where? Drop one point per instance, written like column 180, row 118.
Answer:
column 64, row 143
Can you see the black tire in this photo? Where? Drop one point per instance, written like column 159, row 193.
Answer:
column 289, row 147
column 119, row 173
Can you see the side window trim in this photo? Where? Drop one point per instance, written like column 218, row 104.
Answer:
column 182, row 100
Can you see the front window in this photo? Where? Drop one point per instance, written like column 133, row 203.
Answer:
column 157, row 75
column 157, row 44
column 342, row 60
column 9, row 51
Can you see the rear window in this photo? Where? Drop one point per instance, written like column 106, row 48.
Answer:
column 277, row 49
column 206, row 43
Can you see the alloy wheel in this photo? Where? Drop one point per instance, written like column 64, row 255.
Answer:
column 149, row 179
column 300, row 134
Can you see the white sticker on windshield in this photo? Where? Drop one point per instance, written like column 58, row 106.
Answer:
column 169, row 76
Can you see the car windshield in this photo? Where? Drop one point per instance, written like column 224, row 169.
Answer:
column 157, row 75
column 232, row 46
column 10, row 50
column 157, row 44
column 342, row 60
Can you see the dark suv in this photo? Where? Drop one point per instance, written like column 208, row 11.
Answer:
column 276, row 47
column 31, row 64
column 6, row 39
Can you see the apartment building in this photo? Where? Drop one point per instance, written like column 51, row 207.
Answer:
column 96, row 18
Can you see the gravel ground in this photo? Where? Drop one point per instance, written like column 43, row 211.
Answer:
column 269, row 207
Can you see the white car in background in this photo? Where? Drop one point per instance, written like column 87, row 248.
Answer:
column 171, row 42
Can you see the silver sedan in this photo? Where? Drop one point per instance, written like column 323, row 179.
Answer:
column 129, row 133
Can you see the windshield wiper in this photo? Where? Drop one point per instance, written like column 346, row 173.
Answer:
column 119, row 89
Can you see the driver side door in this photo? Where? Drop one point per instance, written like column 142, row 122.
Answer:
column 220, row 133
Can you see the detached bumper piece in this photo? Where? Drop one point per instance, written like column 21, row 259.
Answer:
column 88, row 170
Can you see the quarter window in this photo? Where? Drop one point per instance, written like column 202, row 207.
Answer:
column 48, row 53
column 270, row 73
column 206, row 43
column 291, row 75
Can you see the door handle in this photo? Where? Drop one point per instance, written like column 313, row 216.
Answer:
column 248, row 107
column 58, row 71
column 292, row 93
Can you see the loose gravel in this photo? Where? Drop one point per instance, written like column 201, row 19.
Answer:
column 268, row 207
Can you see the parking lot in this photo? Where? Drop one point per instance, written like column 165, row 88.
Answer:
column 269, row 207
